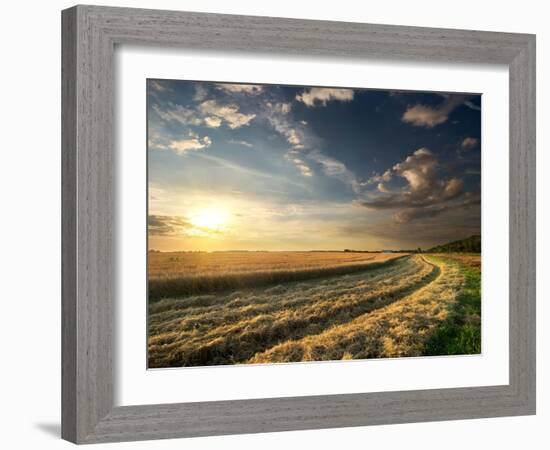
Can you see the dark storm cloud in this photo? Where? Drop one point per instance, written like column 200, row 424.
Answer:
column 167, row 225
column 470, row 201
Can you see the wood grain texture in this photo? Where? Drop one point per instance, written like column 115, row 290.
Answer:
column 89, row 36
column 68, row 226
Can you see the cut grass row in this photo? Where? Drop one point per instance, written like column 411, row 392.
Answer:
column 399, row 329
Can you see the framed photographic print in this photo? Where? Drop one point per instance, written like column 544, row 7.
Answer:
column 266, row 222
column 286, row 223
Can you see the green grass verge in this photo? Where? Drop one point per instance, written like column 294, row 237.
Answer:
column 460, row 333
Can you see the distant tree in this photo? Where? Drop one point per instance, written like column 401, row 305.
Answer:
column 471, row 244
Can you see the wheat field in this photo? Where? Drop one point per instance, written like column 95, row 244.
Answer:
column 182, row 274
column 324, row 306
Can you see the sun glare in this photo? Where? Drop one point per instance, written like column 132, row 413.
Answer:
column 211, row 219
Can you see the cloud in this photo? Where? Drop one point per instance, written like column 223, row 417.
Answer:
column 321, row 96
column 470, row 202
column 157, row 141
column 424, row 187
column 200, row 92
column 279, row 118
column 249, row 170
column 230, row 114
column 240, row 88
column 300, row 164
column 470, row 105
column 159, row 225
column 428, row 209
column 430, row 116
column 385, row 177
column 422, row 227
column 212, row 122
column 409, row 215
column 280, row 107
column 244, row 143
column 209, row 113
column 192, row 144
column 167, row 225
column 331, row 166
column 336, row 169
column 157, row 86
column 305, row 146
column 424, row 233
column 469, row 143
column 178, row 113
column 294, row 137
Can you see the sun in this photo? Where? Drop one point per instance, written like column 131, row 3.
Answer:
column 212, row 219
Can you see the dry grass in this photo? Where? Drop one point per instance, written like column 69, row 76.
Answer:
column 341, row 316
column 177, row 264
column 179, row 274
column 398, row 329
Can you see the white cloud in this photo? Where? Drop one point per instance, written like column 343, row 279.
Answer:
column 156, row 141
column 157, row 86
column 228, row 113
column 305, row 145
column 192, row 144
column 334, row 168
column 385, row 177
column 430, row 116
column 241, row 88
column 299, row 163
column 293, row 133
column 209, row 113
column 320, row 96
column 212, row 122
column 293, row 137
column 178, row 113
column 331, row 166
column 244, row 143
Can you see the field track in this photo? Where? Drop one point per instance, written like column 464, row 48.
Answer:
column 387, row 310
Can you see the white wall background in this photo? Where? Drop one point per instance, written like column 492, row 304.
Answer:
column 30, row 223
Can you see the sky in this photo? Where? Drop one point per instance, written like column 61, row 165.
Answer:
column 270, row 167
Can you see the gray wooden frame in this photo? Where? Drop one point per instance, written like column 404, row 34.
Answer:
column 89, row 37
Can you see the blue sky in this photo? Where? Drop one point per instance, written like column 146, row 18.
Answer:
column 268, row 167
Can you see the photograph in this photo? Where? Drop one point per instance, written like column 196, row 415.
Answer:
column 290, row 224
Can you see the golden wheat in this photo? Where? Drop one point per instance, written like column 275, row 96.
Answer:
column 176, row 264
column 176, row 275
column 246, row 325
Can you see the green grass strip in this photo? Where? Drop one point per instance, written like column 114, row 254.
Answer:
column 460, row 333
